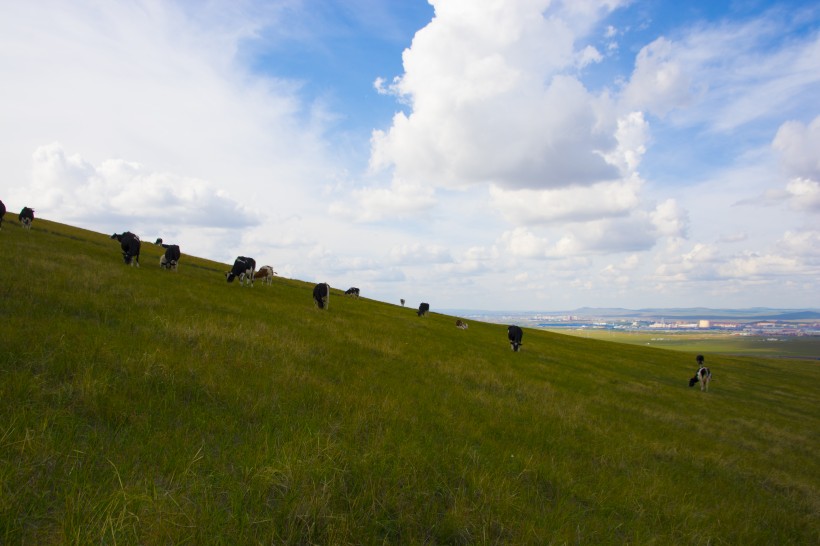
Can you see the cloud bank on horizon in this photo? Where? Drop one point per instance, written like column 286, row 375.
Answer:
column 525, row 154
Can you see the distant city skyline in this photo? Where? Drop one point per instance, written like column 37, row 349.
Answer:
column 527, row 154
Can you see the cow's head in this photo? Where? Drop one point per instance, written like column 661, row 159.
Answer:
column 229, row 276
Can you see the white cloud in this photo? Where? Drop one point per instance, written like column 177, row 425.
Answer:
column 602, row 200
column 799, row 147
column 374, row 204
column 660, row 82
column 805, row 194
column 418, row 254
column 69, row 188
column 491, row 102
column 719, row 75
column 669, row 219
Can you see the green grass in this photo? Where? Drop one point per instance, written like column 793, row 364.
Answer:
column 712, row 342
column 141, row 406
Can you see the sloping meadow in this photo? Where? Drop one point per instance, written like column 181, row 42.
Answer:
column 155, row 407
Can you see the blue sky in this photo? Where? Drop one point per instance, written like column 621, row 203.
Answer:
column 516, row 155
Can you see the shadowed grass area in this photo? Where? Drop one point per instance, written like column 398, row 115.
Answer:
column 152, row 407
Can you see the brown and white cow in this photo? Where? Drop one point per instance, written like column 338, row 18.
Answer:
column 265, row 273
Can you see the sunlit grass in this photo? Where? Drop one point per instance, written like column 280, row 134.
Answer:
column 144, row 406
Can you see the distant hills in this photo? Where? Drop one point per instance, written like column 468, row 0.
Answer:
column 686, row 313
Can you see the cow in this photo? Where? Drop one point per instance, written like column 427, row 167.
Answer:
column 702, row 376
column 265, row 273
column 424, row 308
column 244, row 268
column 158, row 242
column 2, row 213
column 514, row 334
column 461, row 324
column 26, row 217
column 402, row 302
column 170, row 260
column 321, row 295
column 352, row 292
column 130, row 245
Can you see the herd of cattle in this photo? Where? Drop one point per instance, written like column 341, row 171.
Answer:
column 244, row 269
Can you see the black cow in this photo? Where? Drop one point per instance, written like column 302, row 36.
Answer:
column 244, row 268
column 424, row 308
column 26, row 217
column 2, row 213
column 170, row 260
column 402, row 302
column 321, row 295
column 702, row 376
column 130, row 245
column 514, row 334
column 352, row 291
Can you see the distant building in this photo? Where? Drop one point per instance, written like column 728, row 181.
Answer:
column 704, row 324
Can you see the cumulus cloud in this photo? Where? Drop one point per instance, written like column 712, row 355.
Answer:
column 577, row 203
column 372, row 204
column 799, row 148
column 69, row 188
column 492, row 101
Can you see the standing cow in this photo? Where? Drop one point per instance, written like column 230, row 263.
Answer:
column 321, row 295
column 2, row 213
column 424, row 308
column 265, row 273
column 352, row 291
column 244, row 268
column 130, row 245
column 26, row 217
column 514, row 334
column 170, row 260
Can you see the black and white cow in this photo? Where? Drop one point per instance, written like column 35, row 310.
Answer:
column 265, row 273
column 321, row 295
column 352, row 291
column 702, row 376
column 514, row 334
column 424, row 308
column 170, row 260
column 2, row 213
column 461, row 324
column 244, row 268
column 130, row 245
column 26, row 217
column 402, row 302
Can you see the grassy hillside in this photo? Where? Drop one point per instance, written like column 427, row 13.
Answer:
column 141, row 406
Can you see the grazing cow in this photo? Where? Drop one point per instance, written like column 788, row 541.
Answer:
column 2, row 213
column 170, row 260
column 26, row 217
column 702, row 376
column 461, row 324
column 352, row 291
column 130, row 245
column 265, row 273
column 321, row 295
column 514, row 334
column 158, row 242
column 402, row 302
column 424, row 308
column 244, row 268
